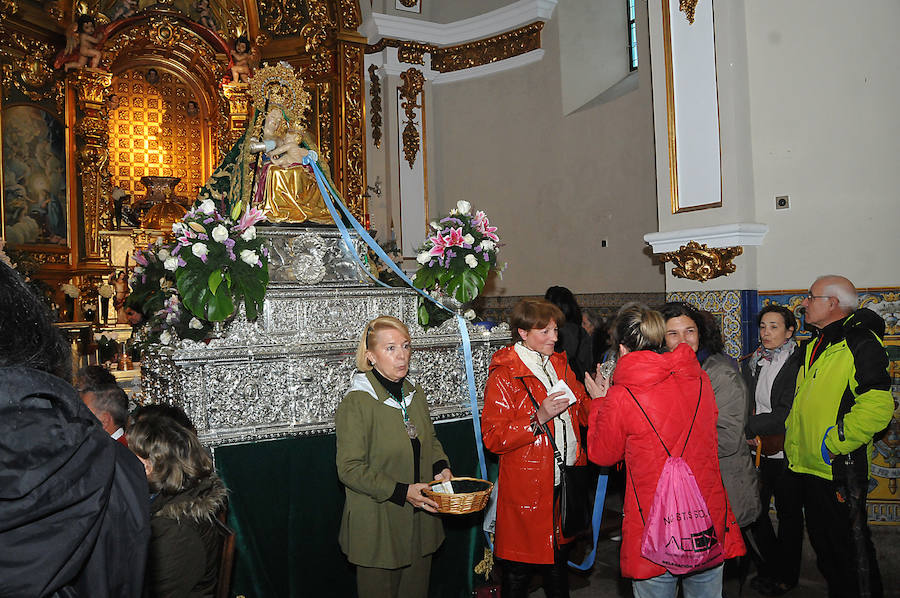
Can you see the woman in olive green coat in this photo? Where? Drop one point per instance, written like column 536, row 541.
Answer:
column 387, row 453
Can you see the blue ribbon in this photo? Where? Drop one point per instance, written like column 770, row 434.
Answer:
column 331, row 197
column 599, row 500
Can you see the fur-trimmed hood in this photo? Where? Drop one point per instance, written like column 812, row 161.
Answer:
column 202, row 502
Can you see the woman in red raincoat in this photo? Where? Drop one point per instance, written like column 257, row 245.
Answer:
column 667, row 386
column 527, row 533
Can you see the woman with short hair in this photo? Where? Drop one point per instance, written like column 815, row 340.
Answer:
column 659, row 397
column 517, row 401
column 771, row 375
column 387, row 453
column 186, row 497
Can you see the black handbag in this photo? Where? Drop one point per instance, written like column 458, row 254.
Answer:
column 574, row 513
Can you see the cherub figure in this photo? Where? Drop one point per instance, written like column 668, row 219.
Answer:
column 243, row 57
column 203, row 15
column 80, row 38
column 124, row 9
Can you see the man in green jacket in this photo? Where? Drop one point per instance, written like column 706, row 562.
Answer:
column 843, row 398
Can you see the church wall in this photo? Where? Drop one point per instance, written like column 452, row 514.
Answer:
column 556, row 185
column 824, row 82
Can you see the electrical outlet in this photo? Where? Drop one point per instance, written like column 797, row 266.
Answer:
column 782, row 202
column 603, row 243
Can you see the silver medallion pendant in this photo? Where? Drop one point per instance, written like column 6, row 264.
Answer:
column 411, row 430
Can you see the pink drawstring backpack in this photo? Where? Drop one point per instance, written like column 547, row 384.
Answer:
column 679, row 533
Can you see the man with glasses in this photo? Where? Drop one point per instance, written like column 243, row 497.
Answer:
column 842, row 399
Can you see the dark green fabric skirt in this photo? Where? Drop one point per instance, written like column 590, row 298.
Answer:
column 285, row 507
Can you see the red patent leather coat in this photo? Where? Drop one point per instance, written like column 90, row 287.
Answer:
column 667, row 386
column 526, row 524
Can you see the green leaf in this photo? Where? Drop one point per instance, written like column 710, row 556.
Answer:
column 466, row 285
column 220, row 306
column 215, row 279
column 424, row 278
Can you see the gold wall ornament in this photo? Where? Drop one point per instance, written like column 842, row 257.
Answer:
column 353, row 140
column 317, row 30
column 409, row 3
column 350, row 15
column 688, row 7
column 407, row 51
column 324, row 110
column 699, row 262
column 485, row 51
column 283, row 17
column 413, row 83
column 375, row 94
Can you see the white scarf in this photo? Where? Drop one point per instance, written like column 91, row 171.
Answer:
column 567, row 442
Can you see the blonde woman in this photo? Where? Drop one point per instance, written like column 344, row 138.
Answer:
column 387, row 452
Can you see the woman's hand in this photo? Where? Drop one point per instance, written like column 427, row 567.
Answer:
column 415, row 497
column 552, row 406
column 596, row 387
column 754, row 442
column 444, row 476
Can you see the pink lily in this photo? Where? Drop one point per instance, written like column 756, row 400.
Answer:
column 455, row 238
column 482, row 225
column 439, row 245
column 251, row 216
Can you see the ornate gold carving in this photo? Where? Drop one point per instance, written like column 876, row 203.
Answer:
column 28, row 68
column 411, row 55
column 238, row 96
column 354, row 128
column 413, row 82
column 699, row 262
column 407, row 51
column 316, row 31
column 284, row 17
column 42, row 257
column 322, row 62
column 92, row 87
column 325, row 108
column 409, row 3
column 375, row 93
column 350, row 18
column 688, row 7
column 485, row 51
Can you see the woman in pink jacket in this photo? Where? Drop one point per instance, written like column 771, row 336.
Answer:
column 667, row 386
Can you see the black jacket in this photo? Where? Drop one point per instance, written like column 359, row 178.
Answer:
column 186, row 542
column 782, row 397
column 74, row 519
column 577, row 345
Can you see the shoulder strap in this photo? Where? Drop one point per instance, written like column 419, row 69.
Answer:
column 696, row 409
column 556, row 455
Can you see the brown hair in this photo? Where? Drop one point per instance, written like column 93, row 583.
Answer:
column 533, row 313
column 367, row 339
column 179, row 460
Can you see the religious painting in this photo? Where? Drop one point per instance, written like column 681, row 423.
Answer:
column 34, row 177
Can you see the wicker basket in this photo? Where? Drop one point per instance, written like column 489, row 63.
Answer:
column 472, row 495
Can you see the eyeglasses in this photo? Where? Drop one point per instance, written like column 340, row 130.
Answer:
column 810, row 296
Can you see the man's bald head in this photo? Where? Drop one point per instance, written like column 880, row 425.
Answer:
column 831, row 298
column 841, row 289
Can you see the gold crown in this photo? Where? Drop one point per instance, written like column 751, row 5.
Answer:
column 280, row 85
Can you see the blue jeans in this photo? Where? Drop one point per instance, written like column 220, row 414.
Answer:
column 705, row 584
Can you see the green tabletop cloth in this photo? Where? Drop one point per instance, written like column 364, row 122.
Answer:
column 285, row 507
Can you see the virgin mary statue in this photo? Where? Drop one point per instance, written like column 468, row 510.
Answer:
column 264, row 166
